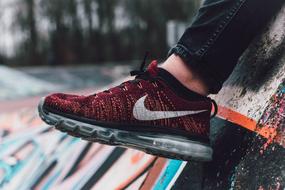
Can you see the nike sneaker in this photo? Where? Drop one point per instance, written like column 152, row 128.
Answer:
column 154, row 113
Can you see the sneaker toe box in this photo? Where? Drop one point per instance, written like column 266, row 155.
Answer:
column 62, row 102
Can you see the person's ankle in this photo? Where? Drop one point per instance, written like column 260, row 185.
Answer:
column 184, row 74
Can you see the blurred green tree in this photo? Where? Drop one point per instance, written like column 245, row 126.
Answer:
column 26, row 22
column 54, row 11
column 97, row 30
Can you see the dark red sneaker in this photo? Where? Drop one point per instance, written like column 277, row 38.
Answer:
column 153, row 113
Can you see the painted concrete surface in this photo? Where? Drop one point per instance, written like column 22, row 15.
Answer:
column 259, row 73
column 263, row 166
column 35, row 156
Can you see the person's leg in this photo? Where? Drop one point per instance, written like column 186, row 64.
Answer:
column 210, row 48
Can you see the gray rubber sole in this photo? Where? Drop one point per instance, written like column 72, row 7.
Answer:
column 174, row 147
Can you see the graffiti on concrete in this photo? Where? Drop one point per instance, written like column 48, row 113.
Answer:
column 35, row 156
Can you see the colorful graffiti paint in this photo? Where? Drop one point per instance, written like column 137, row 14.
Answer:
column 35, row 156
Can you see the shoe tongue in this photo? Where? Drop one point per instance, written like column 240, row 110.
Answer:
column 152, row 69
column 178, row 87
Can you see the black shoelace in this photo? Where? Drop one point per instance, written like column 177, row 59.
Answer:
column 140, row 74
column 141, row 71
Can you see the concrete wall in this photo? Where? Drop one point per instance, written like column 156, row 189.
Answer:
column 260, row 71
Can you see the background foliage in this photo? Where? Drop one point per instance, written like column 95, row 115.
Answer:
column 81, row 31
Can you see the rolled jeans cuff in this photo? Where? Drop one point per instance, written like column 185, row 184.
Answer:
column 189, row 58
column 182, row 52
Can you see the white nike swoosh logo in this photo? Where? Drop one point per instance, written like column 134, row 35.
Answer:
column 141, row 113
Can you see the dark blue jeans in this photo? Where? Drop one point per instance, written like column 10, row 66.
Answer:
column 220, row 33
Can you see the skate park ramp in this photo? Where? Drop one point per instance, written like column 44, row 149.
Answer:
column 247, row 136
column 33, row 81
column 22, row 85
